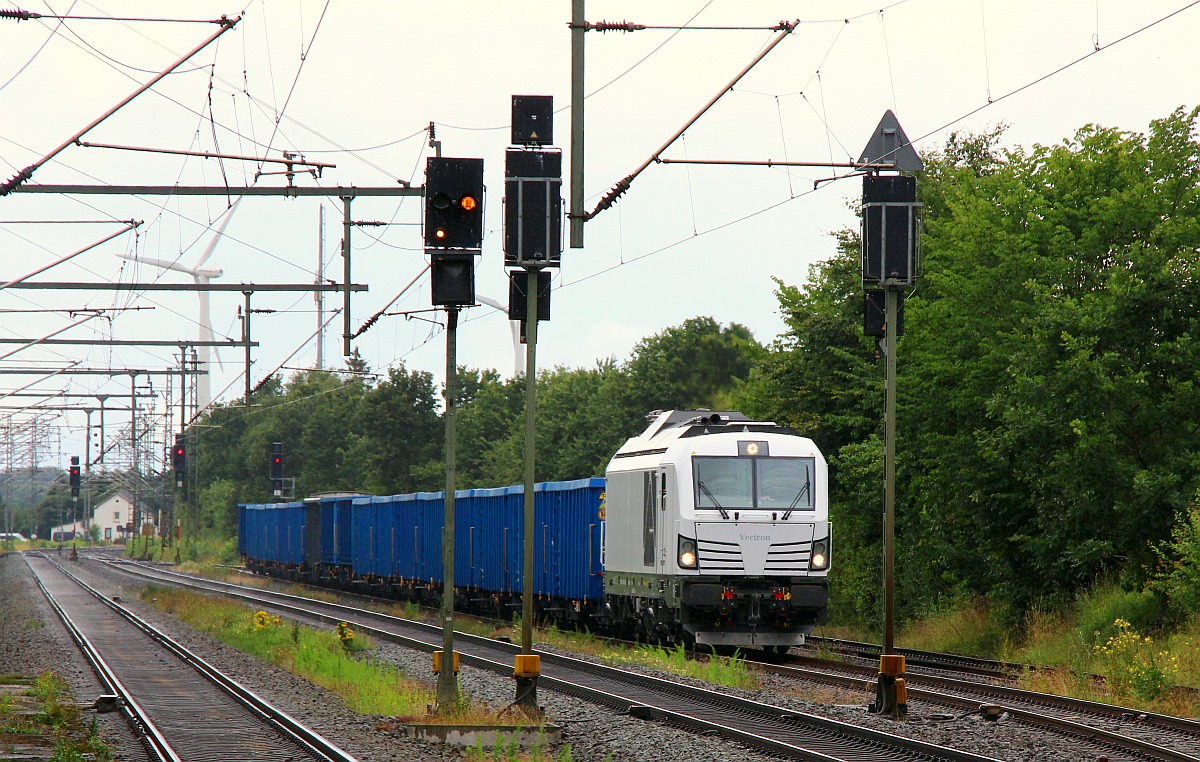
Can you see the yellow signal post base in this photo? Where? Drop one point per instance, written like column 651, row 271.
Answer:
column 891, row 692
column 437, row 662
column 526, row 668
column 891, row 664
column 527, row 665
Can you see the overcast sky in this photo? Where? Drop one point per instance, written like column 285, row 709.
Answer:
column 356, row 84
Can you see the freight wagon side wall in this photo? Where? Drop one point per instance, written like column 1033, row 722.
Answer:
column 336, row 530
column 571, row 528
column 408, row 536
column 483, row 555
column 362, row 536
column 241, row 529
column 249, row 539
column 400, row 536
column 272, row 532
column 489, row 539
column 328, row 554
column 296, row 544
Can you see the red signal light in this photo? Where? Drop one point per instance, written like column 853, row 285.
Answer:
column 468, row 203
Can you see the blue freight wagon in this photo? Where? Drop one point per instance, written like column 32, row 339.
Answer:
column 395, row 542
column 490, row 533
column 410, row 536
column 571, row 539
column 272, row 533
column 336, row 532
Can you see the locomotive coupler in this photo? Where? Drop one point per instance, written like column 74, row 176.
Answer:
column 755, row 615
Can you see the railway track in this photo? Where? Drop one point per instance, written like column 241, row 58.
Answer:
column 184, row 709
column 1141, row 735
column 916, row 658
column 755, row 724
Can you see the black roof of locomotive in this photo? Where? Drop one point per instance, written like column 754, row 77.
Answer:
column 701, row 422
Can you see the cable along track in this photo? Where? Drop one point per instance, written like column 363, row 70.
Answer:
column 788, row 733
column 185, row 709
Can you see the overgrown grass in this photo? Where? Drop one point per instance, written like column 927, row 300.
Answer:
column 968, row 629
column 512, row 752
column 208, row 551
column 1104, row 648
column 366, row 685
column 52, row 714
column 730, row 671
column 1111, row 633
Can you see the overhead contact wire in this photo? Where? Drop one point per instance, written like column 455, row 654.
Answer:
column 623, row 185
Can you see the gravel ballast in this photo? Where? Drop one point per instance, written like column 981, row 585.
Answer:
column 593, row 732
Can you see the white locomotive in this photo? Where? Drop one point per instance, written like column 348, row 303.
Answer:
column 716, row 532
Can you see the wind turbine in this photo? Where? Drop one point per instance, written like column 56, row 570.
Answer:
column 202, row 276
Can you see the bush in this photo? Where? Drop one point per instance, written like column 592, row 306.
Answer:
column 1179, row 559
column 969, row 628
column 1132, row 665
column 1098, row 610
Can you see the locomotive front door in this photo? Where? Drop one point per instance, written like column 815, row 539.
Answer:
column 666, row 514
column 649, row 518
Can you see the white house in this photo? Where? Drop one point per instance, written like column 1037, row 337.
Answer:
column 113, row 518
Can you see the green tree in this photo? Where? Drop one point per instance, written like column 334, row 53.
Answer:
column 1050, row 360
column 402, row 432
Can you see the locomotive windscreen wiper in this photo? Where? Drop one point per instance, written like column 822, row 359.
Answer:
column 708, row 494
column 788, row 513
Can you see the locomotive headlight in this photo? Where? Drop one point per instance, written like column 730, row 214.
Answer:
column 687, row 553
column 820, row 556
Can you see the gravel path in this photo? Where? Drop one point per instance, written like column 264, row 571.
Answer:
column 594, row 733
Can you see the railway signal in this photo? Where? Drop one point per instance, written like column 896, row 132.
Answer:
column 277, row 460
column 73, row 477
column 452, row 273
column 532, row 208
column 453, row 227
column 890, row 237
column 179, row 459
column 277, row 468
column 532, row 241
column 453, row 203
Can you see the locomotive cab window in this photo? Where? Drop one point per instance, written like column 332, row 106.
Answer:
column 772, row 484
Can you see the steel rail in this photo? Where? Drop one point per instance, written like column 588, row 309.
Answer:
column 1063, row 725
column 960, row 663
column 974, row 665
column 306, row 737
column 137, row 717
column 496, row 656
column 914, row 657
